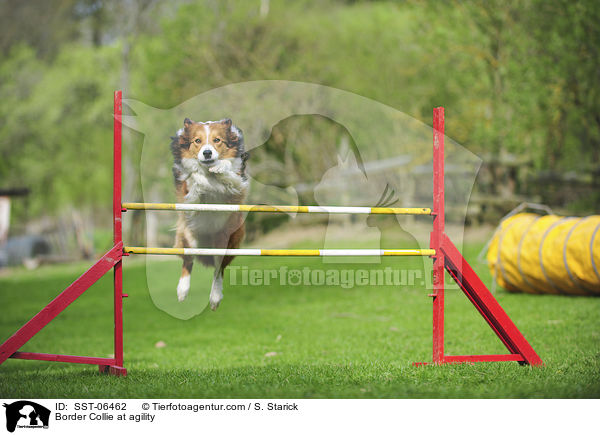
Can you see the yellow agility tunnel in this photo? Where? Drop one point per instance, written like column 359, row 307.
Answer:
column 547, row 254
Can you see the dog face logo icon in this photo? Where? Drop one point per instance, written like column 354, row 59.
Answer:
column 26, row 414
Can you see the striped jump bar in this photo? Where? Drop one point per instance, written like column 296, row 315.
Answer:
column 275, row 208
column 282, row 252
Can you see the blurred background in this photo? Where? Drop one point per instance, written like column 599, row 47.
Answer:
column 520, row 81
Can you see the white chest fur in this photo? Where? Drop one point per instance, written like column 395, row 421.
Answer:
column 206, row 187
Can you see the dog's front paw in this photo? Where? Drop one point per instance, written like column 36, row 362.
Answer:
column 215, row 300
column 183, row 288
column 221, row 167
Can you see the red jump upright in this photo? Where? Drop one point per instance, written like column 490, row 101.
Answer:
column 113, row 259
column 448, row 258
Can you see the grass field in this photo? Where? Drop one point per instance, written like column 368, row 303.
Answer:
column 291, row 341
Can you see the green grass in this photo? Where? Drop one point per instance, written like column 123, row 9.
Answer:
column 329, row 342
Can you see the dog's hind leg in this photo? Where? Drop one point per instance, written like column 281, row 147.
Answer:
column 231, row 241
column 216, row 290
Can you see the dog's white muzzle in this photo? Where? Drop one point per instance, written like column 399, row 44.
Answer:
column 208, row 155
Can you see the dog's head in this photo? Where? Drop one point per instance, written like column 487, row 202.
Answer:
column 210, row 141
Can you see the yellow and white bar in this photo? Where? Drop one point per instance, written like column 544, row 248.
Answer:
column 282, row 252
column 275, row 208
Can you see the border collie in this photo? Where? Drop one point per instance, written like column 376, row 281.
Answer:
column 209, row 167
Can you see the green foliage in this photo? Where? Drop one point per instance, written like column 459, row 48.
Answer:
column 57, row 128
column 516, row 77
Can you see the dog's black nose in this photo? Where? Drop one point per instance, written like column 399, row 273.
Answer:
column 207, row 154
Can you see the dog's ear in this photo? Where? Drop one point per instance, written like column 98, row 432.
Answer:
column 183, row 142
column 226, row 122
column 235, row 138
column 182, row 136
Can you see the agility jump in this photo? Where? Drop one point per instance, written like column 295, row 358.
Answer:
column 445, row 255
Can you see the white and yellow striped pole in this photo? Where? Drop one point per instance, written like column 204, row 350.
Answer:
column 275, row 208
column 282, row 252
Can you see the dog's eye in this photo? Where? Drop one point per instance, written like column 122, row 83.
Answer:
column 198, row 140
column 216, row 140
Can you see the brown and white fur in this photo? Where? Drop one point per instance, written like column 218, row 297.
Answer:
column 209, row 167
